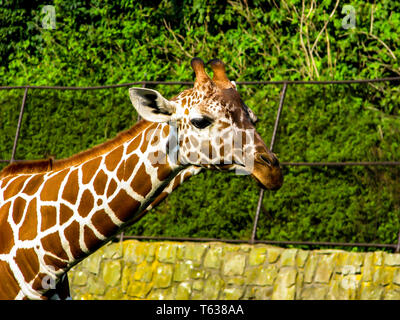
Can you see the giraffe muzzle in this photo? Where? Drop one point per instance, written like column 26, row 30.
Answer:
column 267, row 171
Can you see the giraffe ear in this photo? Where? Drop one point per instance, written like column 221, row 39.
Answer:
column 151, row 105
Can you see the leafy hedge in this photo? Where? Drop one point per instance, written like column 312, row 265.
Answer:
column 102, row 42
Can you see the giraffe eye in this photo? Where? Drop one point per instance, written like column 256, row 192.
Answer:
column 201, row 123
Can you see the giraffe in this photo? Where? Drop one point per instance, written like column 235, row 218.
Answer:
column 54, row 213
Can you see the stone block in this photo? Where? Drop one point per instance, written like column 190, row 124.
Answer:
column 396, row 276
column 134, row 251
column 286, row 277
column 161, row 294
column 96, row 286
column 213, row 258
column 112, row 250
column 92, row 263
column 369, row 291
column 113, row 294
column 325, row 268
column 183, row 291
column 198, row 285
column 280, row 292
column 234, row 265
column 391, row 294
column 258, row 293
column 167, row 253
column 183, row 270
column 369, row 267
column 143, row 272
column 111, row 272
column 301, row 258
column 314, row 292
column 383, row 276
column 80, row 278
column 195, row 252
column 273, row 254
column 127, row 275
column 257, row 256
column 232, row 293
column 212, row 287
column 310, row 267
column 261, row 276
column 288, row 258
column 197, row 274
column 378, row 258
column 162, row 277
column 392, row 259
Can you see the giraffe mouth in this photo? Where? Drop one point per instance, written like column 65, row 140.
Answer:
column 268, row 184
column 267, row 173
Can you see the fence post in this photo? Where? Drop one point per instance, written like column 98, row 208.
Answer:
column 21, row 113
column 398, row 244
column 261, row 195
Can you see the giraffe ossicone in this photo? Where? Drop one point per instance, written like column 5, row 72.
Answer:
column 54, row 213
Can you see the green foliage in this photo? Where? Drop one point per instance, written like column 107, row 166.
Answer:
column 105, row 42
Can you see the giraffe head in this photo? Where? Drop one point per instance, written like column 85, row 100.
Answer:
column 211, row 127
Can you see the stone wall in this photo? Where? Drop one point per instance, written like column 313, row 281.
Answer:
column 187, row 270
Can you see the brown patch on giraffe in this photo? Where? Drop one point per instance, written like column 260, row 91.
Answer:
column 71, row 188
column 130, row 166
column 145, row 142
column 121, row 170
column 52, row 186
column 18, row 209
column 52, row 243
column 134, row 145
column 123, row 205
column 177, row 182
column 65, row 213
column 91, row 241
column 49, row 217
column 14, row 187
column 165, row 132
column 163, row 171
column 99, row 182
column 187, row 175
column 72, row 235
column 111, row 188
column 86, row 204
column 156, row 138
column 27, row 262
column 55, row 262
column 114, row 158
column 89, row 169
column 9, row 287
column 6, row 233
column 103, row 224
column 33, row 184
column 38, row 282
column 5, row 180
column 28, row 230
column 145, row 185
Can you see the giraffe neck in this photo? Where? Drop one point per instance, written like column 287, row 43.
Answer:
column 50, row 221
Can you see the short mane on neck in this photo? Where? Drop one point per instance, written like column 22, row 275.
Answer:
column 46, row 165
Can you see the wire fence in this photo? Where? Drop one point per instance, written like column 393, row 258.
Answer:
column 252, row 240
